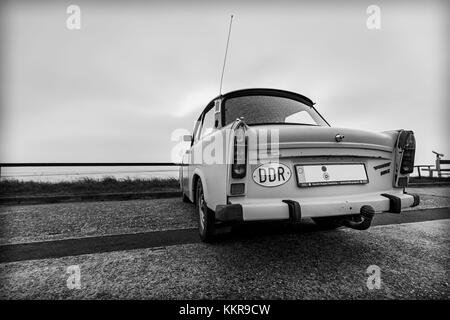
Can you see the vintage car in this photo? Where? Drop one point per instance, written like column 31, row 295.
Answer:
column 267, row 154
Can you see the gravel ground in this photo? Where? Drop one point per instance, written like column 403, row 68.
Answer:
column 20, row 224
column 414, row 260
column 30, row 223
column 433, row 191
column 431, row 197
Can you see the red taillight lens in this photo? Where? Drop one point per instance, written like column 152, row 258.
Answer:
column 239, row 166
column 407, row 142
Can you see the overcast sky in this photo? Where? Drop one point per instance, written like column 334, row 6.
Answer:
column 117, row 88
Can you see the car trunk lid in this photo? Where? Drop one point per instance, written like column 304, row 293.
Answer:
column 302, row 136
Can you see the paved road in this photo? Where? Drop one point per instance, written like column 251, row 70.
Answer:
column 47, row 222
column 146, row 249
column 88, row 245
column 413, row 259
column 30, row 223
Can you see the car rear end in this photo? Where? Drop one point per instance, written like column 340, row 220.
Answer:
column 310, row 171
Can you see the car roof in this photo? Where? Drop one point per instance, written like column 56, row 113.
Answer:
column 261, row 91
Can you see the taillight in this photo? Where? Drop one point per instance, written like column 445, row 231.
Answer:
column 407, row 143
column 239, row 166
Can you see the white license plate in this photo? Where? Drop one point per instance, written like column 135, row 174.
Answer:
column 330, row 174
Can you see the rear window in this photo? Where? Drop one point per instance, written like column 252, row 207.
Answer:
column 256, row 110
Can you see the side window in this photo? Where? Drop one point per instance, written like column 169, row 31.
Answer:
column 208, row 126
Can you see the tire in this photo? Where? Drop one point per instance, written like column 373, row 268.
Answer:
column 186, row 198
column 206, row 228
column 327, row 223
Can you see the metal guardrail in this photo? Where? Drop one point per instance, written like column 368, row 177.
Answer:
column 87, row 164
column 431, row 169
column 425, row 167
column 437, row 167
column 88, row 197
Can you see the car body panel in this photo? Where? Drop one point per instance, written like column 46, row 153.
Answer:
column 297, row 145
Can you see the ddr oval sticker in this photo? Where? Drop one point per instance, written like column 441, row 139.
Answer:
column 271, row 174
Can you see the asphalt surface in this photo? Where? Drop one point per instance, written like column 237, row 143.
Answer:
column 45, row 222
column 89, row 245
column 413, row 259
column 149, row 249
column 61, row 221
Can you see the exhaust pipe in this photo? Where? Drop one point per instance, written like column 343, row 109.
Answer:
column 367, row 213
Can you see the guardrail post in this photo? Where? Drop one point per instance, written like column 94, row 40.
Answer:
column 438, row 166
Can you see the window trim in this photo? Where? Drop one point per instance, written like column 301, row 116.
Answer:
column 200, row 120
column 196, row 130
column 203, row 122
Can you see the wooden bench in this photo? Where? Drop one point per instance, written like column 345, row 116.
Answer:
column 437, row 168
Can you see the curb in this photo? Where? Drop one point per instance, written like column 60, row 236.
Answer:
column 88, row 197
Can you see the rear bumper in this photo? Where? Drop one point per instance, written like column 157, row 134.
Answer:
column 242, row 209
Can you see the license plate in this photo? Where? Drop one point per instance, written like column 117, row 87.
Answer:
column 310, row 175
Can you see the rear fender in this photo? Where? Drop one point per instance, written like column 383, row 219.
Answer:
column 201, row 176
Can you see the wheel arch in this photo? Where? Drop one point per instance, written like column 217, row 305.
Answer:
column 199, row 176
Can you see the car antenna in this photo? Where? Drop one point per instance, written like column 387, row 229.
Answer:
column 225, row 57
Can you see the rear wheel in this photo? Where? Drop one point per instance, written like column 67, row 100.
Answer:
column 206, row 227
column 328, row 223
column 186, row 198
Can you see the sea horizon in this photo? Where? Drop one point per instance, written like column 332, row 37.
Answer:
column 58, row 174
